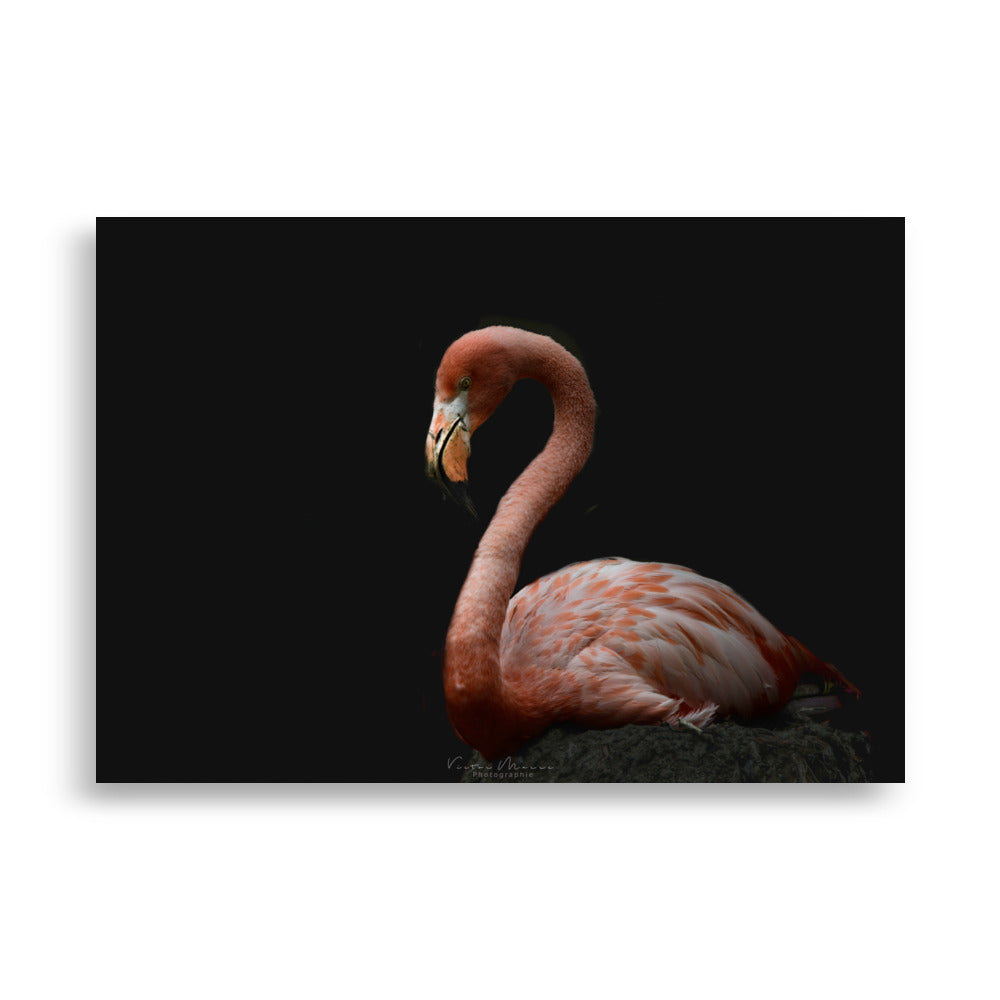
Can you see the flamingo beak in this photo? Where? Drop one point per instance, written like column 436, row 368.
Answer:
column 447, row 450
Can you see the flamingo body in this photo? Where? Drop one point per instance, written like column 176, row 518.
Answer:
column 613, row 641
column 600, row 643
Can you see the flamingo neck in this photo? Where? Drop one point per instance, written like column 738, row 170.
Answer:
column 479, row 707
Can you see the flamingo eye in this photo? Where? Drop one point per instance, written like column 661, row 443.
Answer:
column 463, row 383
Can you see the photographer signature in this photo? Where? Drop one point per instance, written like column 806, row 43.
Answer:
column 504, row 764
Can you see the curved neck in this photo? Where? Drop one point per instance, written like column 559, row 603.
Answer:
column 472, row 660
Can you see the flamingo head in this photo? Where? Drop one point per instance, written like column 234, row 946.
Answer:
column 475, row 374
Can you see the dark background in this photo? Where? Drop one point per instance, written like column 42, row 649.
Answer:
column 281, row 573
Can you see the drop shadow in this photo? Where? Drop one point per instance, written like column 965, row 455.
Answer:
column 487, row 795
column 82, row 413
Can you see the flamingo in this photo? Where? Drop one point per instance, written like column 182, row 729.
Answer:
column 600, row 643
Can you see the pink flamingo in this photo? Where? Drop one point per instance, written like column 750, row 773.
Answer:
column 600, row 643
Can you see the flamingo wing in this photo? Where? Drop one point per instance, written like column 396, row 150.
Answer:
column 613, row 641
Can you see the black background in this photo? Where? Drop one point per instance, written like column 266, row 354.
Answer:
column 280, row 573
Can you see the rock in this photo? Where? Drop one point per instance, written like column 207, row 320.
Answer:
column 786, row 747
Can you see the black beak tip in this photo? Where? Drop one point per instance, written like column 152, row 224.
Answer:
column 456, row 491
column 460, row 494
